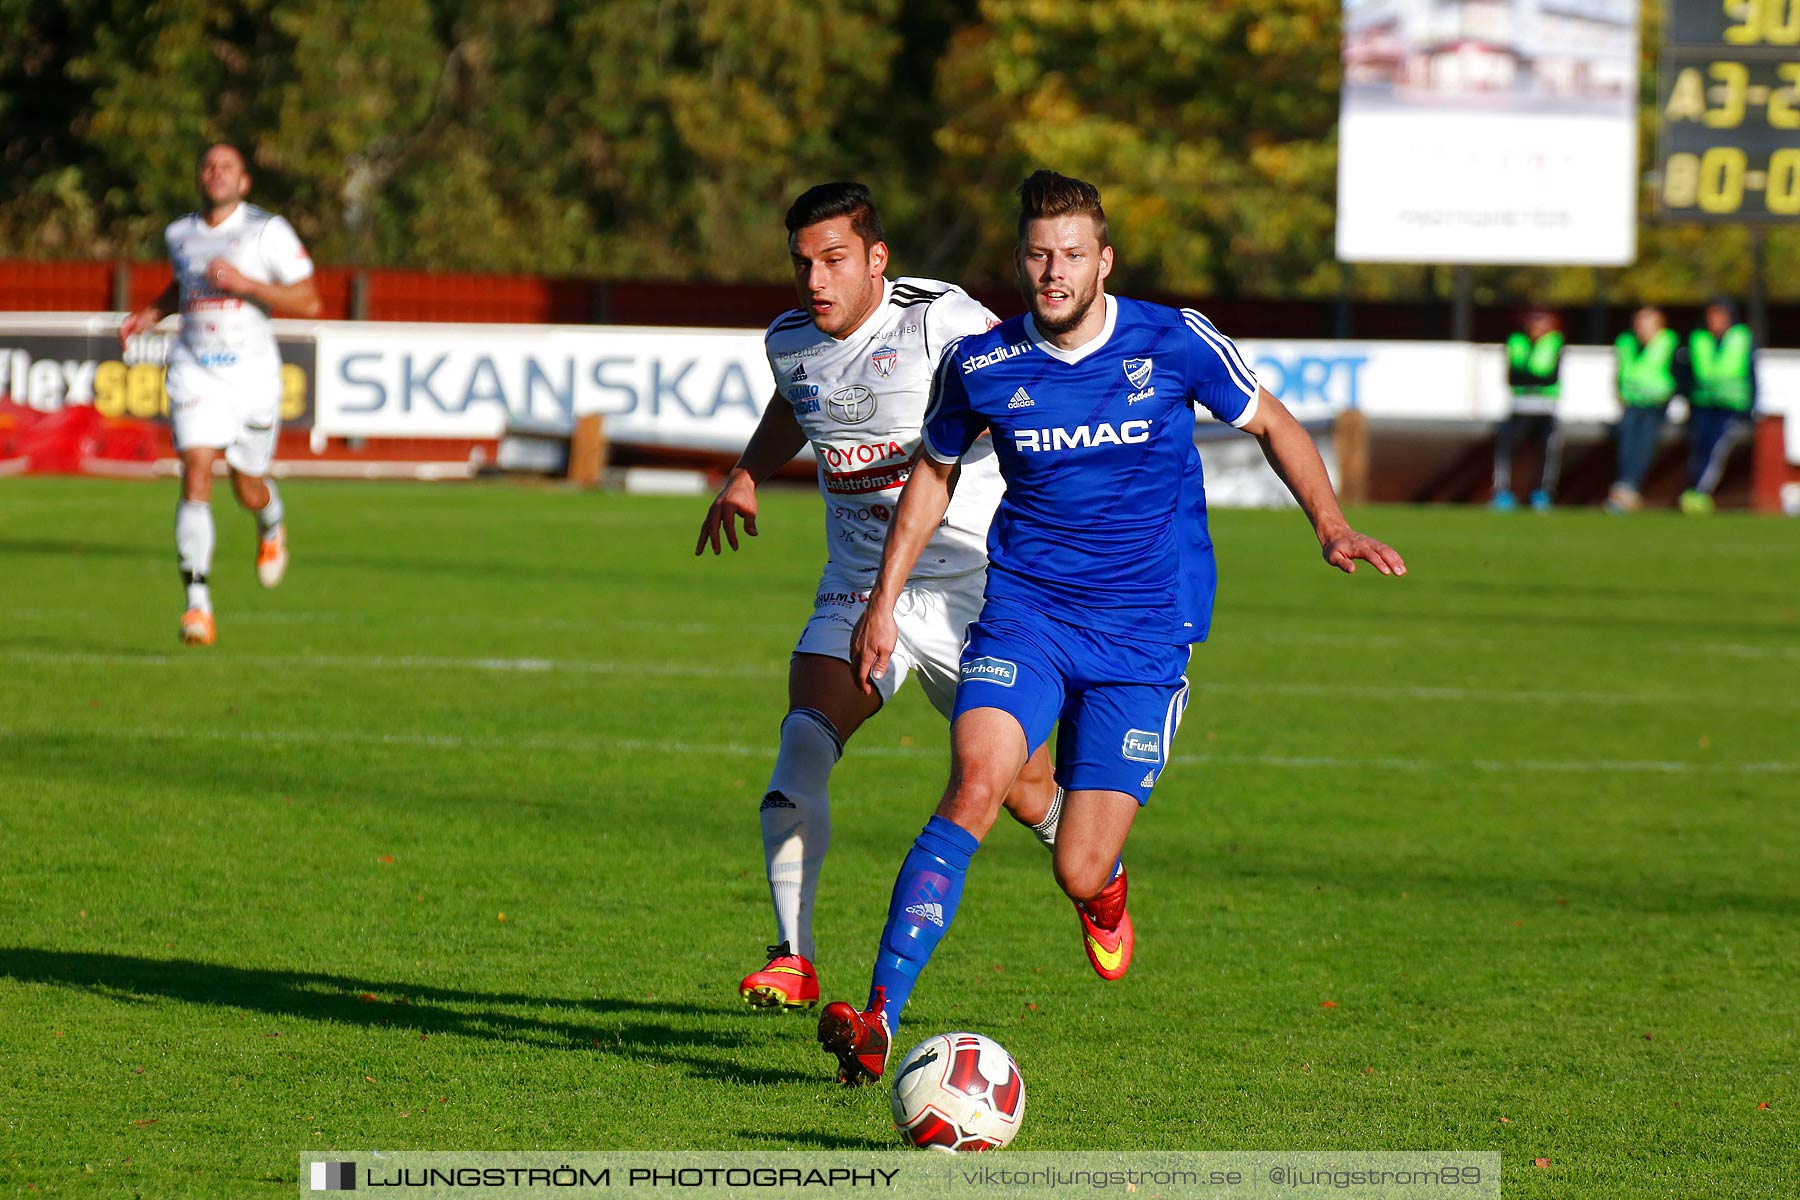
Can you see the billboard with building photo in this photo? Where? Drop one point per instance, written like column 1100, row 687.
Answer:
column 1489, row 131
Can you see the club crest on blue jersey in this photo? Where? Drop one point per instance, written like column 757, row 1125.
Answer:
column 988, row 669
column 852, row 405
column 883, row 361
column 1142, row 745
column 1137, row 370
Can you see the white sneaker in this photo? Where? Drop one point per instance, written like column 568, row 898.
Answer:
column 272, row 557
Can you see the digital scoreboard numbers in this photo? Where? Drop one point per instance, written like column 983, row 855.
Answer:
column 1728, row 112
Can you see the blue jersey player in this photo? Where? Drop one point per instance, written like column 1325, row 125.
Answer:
column 1100, row 576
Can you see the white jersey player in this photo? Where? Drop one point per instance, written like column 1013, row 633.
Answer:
column 235, row 265
column 853, row 369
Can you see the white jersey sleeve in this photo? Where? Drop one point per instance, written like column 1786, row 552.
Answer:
column 283, row 256
column 953, row 315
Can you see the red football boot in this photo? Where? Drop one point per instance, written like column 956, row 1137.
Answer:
column 1106, row 930
column 789, row 981
column 858, row 1039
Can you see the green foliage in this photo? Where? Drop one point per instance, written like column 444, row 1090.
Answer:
column 1208, row 127
column 664, row 138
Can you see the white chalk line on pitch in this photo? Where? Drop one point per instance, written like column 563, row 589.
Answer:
column 441, row 741
column 404, row 662
column 717, row 671
column 1745, row 650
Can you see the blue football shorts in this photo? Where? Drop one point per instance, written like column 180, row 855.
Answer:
column 1115, row 703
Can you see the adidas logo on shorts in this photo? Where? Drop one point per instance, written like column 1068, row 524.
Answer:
column 1021, row 399
column 931, row 911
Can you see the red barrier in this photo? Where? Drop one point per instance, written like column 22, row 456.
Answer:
column 56, row 286
column 1769, row 467
column 502, row 299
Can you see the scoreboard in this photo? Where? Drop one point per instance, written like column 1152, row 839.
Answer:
column 1728, row 112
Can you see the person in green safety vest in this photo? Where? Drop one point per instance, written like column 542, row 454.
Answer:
column 1533, row 367
column 1645, row 380
column 1721, row 398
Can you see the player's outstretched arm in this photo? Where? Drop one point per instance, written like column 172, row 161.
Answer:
column 146, row 317
column 778, row 438
column 1290, row 451
column 923, row 502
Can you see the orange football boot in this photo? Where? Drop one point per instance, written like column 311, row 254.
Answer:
column 197, row 628
column 272, row 557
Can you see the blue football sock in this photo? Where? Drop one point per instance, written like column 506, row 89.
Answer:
column 920, row 910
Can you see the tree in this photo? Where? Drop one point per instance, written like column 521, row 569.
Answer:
column 1209, row 128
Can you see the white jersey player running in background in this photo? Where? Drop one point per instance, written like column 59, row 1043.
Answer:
column 853, row 371
column 235, row 265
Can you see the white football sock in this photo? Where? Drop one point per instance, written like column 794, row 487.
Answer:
column 1046, row 828
column 796, row 822
column 194, row 550
column 269, row 515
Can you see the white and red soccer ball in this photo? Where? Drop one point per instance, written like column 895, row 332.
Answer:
column 958, row 1092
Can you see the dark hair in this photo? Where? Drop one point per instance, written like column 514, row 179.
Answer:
column 1047, row 194
column 839, row 199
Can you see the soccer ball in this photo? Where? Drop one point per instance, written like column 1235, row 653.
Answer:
column 956, row 1092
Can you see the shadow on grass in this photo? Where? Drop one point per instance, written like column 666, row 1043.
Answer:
column 632, row 1029
column 65, row 548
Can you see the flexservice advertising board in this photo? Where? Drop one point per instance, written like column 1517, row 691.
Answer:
column 1489, row 131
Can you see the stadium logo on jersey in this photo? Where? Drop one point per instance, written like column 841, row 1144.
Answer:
column 1021, row 399
column 1142, row 745
column 1082, row 437
column 852, row 405
column 987, row 669
column 976, row 362
column 1137, row 370
column 884, row 360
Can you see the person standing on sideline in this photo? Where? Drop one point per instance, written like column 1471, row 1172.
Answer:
column 1533, row 367
column 1645, row 357
column 236, row 265
column 1722, row 359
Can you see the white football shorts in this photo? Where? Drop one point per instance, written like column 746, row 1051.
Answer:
column 932, row 617
column 239, row 413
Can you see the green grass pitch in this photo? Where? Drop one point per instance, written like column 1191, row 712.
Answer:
column 451, row 843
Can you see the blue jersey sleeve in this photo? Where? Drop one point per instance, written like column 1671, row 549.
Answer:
column 1218, row 377
column 951, row 422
